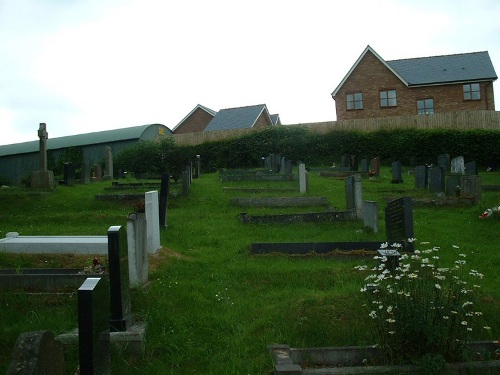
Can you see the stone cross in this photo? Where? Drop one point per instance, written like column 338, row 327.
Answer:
column 43, row 135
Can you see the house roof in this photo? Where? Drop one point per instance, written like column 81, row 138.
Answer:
column 105, row 136
column 198, row 106
column 434, row 70
column 237, row 118
column 275, row 119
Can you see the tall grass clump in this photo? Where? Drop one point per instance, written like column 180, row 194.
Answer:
column 423, row 310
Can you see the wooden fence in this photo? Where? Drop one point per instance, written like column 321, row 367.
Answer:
column 464, row 120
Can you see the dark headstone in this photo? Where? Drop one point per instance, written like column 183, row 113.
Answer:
column 164, row 190
column 354, row 163
column 69, row 174
column 375, row 166
column 399, row 221
column 397, row 174
column 185, row 182
column 276, row 163
column 443, row 161
column 121, row 312
column 365, row 168
column 93, row 326
column 436, row 180
column 471, row 168
column 97, row 172
column 452, row 185
column 345, row 161
column 421, row 176
column 288, row 167
column 470, row 187
column 349, row 193
column 37, row 353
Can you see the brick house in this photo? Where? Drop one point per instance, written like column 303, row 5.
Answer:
column 195, row 121
column 374, row 87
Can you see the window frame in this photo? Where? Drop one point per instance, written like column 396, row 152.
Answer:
column 353, row 101
column 468, row 91
column 387, row 98
column 425, row 108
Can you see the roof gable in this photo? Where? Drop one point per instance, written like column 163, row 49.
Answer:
column 198, row 106
column 237, row 118
column 465, row 67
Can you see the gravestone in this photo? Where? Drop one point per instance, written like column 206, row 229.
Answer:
column 452, row 188
column 370, row 217
column 198, row 166
column 457, row 165
column 276, row 163
column 470, row 187
column 137, row 253
column 69, row 174
column 421, row 176
column 288, row 167
column 470, row 168
column 37, row 353
column 443, row 161
column 97, row 172
column 397, row 174
column 152, row 222
column 121, row 311
column 436, row 180
column 185, row 182
column 345, row 162
column 399, row 221
column 93, row 327
column 164, row 190
column 365, row 168
column 85, row 174
column 43, row 178
column 354, row 194
column 108, row 163
column 349, row 192
column 375, row 165
column 303, row 178
column 354, row 162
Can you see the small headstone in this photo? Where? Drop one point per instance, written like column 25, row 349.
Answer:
column 354, row 162
column 470, row 168
column 375, row 166
column 370, row 217
column 349, row 192
column 365, row 168
column 108, row 163
column 121, row 311
column 397, row 174
column 457, row 165
column 164, row 190
column 69, row 174
column 470, row 187
column 421, row 176
column 152, row 221
column 436, row 180
column 399, row 221
column 185, row 182
column 303, row 178
column 137, row 253
column 358, row 196
column 443, row 161
column 452, row 185
column 345, row 162
column 93, row 326
column 37, row 353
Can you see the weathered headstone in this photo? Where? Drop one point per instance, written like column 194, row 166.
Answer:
column 397, row 174
column 69, row 174
column 288, row 167
column 421, row 176
column 375, row 165
column 354, row 162
column 457, row 165
column 436, row 180
column 365, row 167
column 152, row 221
column 370, row 217
column 164, row 190
column 303, row 178
column 37, row 353
column 443, row 161
column 452, row 188
column 470, row 168
column 93, row 327
column 43, row 178
column 470, row 187
column 85, row 174
column 345, row 162
column 137, row 253
column 349, row 192
column 354, row 194
column 185, row 182
column 121, row 311
column 399, row 221
column 97, row 172
column 108, row 163
column 276, row 163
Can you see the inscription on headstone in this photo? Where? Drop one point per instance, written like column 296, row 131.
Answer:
column 399, row 221
column 470, row 187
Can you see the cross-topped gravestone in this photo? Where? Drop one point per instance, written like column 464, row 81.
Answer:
column 43, row 136
column 43, row 178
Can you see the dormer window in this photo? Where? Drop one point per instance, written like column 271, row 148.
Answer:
column 472, row 91
column 354, row 101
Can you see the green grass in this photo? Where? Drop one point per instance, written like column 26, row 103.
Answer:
column 213, row 308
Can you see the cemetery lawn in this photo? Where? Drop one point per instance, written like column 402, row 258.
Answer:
column 213, row 308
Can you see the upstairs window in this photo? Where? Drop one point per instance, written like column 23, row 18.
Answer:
column 472, row 91
column 354, row 101
column 388, row 98
column 425, row 106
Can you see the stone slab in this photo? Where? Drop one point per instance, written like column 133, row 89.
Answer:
column 55, row 245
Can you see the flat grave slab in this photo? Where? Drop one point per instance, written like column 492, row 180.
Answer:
column 54, row 244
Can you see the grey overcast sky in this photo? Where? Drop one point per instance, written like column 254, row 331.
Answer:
column 92, row 65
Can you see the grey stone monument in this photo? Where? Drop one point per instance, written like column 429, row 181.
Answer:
column 370, row 217
column 421, row 176
column 43, row 178
column 470, row 187
column 303, row 178
column 436, row 180
column 457, row 165
column 108, row 164
column 397, row 174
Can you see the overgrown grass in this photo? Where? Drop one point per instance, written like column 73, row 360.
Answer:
column 210, row 306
